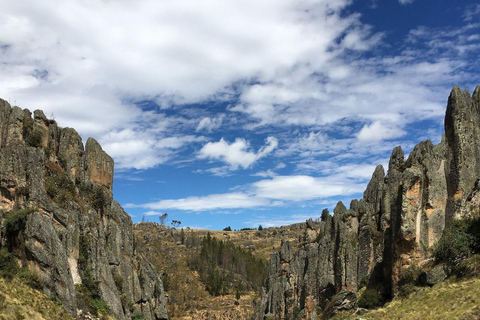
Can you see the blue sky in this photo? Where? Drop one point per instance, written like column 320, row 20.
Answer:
column 241, row 112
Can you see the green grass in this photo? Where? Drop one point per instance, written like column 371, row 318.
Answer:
column 19, row 301
column 452, row 299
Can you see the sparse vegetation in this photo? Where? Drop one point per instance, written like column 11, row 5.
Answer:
column 20, row 301
column 187, row 293
column 15, row 222
column 459, row 241
column 8, row 264
column 370, row 298
column 33, row 137
column 163, row 219
column 224, row 266
column 446, row 300
column 89, row 289
column 60, row 188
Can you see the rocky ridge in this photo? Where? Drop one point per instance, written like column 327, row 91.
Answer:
column 73, row 234
column 401, row 215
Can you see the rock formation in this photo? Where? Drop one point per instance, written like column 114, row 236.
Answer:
column 74, row 234
column 401, row 215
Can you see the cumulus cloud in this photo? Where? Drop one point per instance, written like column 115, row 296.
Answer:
column 378, row 131
column 236, row 154
column 142, row 149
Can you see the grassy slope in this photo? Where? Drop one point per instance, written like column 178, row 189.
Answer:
column 447, row 300
column 19, row 301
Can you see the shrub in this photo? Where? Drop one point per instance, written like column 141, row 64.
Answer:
column 118, row 279
column 16, row 221
column 370, row 299
column 165, row 281
column 469, row 267
column 29, row 278
column 458, row 242
column 8, row 264
column 59, row 187
column 405, row 290
column 411, row 274
column 227, row 229
column 137, row 316
column 34, row 138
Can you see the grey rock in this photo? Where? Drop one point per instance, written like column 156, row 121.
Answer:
column 402, row 215
column 435, row 275
column 64, row 237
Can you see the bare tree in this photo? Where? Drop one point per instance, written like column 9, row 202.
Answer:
column 163, row 218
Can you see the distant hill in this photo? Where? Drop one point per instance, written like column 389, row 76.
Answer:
column 173, row 251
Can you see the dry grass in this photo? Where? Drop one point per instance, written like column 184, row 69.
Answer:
column 18, row 301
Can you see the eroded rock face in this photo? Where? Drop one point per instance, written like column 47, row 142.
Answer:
column 402, row 214
column 75, row 224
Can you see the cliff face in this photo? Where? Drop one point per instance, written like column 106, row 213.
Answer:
column 75, row 236
column 401, row 215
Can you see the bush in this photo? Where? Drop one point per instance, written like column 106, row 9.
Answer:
column 118, row 279
column 59, row 187
column 16, row 221
column 458, row 242
column 137, row 316
column 34, row 138
column 8, row 264
column 227, row 229
column 370, row 299
column 411, row 274
column 29, row 278
column 165, row 281
column 469, row 267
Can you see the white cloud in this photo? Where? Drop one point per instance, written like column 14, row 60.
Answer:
column 210, row 202
column 405, row 2
column 273, row 192
column 236, row 154
column 300, row 188
column 378, row 131
column 142, row 149
column 90, row 62
column 210, row 124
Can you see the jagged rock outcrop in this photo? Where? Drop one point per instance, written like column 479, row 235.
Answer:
column 75, row 237
column 402, row 214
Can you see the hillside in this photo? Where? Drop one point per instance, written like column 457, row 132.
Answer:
column 447, row 300
column 172, row 254
column 19, row 301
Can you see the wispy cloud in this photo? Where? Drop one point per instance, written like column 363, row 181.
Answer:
column 273, row 192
